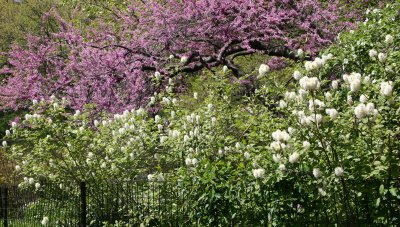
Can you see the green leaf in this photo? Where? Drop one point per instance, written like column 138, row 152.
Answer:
column 382, row 189
column 378, row 201
column 393, row 191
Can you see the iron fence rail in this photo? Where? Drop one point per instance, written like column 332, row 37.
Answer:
column 178, row 204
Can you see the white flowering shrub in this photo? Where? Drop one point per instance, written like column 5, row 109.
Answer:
column 326, row 147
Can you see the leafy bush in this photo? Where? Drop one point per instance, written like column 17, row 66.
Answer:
column 302, row 153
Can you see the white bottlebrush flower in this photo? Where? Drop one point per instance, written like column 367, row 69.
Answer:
column 387, row 88
column 302, row 92
column 309, row 84
column 160, row 177
column 293, row 158
column 361, row 111
column 306, row 145
column 171, row 56
column 157, row 119
column 308, row 65
column 282, row 104
column 175, row 134
column 225, row 69
column 246, row 155
column 335, row 84
column 282, row 167
column 209, row 107
column 213, row 120
column 8, row 132
column 328, row 96
column 349, row 100
column 194, row 161
column 382, row 57
column 388, row 39
column 34, row 102
column 297, row 75
column 186, row 138
column 290, row 95
column 13, row 124
column 37, row 186
column 276, row 145
column 373, row 54
column 188, row 161
column 262, row 70
column 300, row 53
column 184, row 59
column 173, row 114
column 31, row 181
column 4, row 143
column 355, row 85
column 121, row 131
column 258, row 173
column 363, row 98
column 339, row 171
column 17, row 168
column 279, row 135
column 45, row 221
column 276, row 157
column 316, row 172
column 163, row 139
column 321, row 191
column 291, row 130
column 319, row 62
column 318, row 118
column 195, row 95
column 333, row 113
column 166, row 100
column 237, row 145
column 306, row 120
column 150, row 177
column 370, row 108
column 96, row 123
column 157, row 75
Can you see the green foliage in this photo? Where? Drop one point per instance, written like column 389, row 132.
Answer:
column 278, row 155
column 19, row 20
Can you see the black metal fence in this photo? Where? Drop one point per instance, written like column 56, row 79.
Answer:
column 93, row 204
column 136, row 203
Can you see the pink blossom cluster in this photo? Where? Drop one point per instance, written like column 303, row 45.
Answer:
column 114, row 68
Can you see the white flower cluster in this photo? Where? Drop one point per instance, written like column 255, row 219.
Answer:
column 153, row 177
column 387, row 88
column 354, row 81
column 363, row 110
column 315, row 104
column 318, row 63
column 339, row 171
column 191, row 161
column 333, row 113
column 278, row 136
column 262, row 70
column 307, row 120
column 293, row 158
column 310, row 83
column 258, row 173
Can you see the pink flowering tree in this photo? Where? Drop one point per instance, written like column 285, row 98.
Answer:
column 114, row 67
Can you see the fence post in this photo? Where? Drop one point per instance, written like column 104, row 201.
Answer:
column 4, row 196
column 83, row 204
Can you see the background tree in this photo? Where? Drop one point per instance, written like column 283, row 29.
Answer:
column 113, row 68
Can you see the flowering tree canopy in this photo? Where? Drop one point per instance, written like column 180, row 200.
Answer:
column 112, row 67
